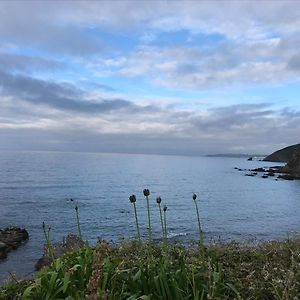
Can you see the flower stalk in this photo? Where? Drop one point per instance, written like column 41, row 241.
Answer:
column 146, row 194
column 78, row 222
column 132, row 199
column 158, row 201
column 201, row 236
column 48, row 243
column 165, row 220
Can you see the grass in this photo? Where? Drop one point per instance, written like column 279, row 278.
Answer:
column 267, row 271
column 164, row 271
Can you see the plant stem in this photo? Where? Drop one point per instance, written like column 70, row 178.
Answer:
column 78, row 222
column 137, row 223
column 165, row 224
column 161, row 221
column 201, row 238
column 47, row 238
column 149, row 220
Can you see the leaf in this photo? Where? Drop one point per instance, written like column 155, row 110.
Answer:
column 232, row 287
column 137, row 276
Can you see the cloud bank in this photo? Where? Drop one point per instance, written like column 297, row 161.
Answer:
column 149, row 77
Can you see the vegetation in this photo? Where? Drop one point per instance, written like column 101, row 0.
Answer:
column 283, row 155
column 268, row 271
column 147, row 270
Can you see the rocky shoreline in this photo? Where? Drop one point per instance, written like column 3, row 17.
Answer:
column 291, row 171
column 70, row 243
column 11, row 239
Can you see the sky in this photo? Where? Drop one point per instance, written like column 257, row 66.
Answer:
column 154, row 77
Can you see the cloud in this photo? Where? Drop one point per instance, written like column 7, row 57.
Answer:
column 227, row 63
column 65, row 27
column 72, row 44
column 16, row 62
column 62, row 96
column 255, row 128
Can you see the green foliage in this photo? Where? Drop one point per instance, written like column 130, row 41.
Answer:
column 66, row 277
column 267, row 271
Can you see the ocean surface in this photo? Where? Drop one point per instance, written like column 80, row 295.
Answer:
column 35, row 186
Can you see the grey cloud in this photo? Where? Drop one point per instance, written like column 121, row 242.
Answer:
column 294, row 63
column 259, row 136
column 254, row 127
column 63, row 26
column 40, row 25
column 61, row 96
column 17, row 62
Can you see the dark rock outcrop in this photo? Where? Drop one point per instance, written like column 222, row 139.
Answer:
column 11, row 239
column 70, row 243
column 283, row 155
column 293, row 166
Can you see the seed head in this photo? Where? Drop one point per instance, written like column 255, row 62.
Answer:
column 158, row 200
column 76, row 208
column 165, row 207
column 146, row 192
column 194, row 196
column 132, row 198
column 44, row 225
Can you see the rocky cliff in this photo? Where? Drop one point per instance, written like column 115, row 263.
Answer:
column 283, row 155
column 293, row 165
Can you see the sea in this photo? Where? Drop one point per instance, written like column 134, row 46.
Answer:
column 36, row 187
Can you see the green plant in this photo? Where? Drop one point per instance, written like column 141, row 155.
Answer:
column 132, row 199
column 201, row 235
column 158, row 201
column 165, row 221
column 66, row 277
column 146, row 194
column 48, row 242
column 78, row 222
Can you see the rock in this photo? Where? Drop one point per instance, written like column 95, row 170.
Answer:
column 11, row 239
column 265, row 176
column 293, row 165
column 250, row 158
column 271, row 173
column 70, row 243
column 3, row 250
column 286, row 177
column 258, row 170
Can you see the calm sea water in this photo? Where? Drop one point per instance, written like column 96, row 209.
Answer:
column 34, row 187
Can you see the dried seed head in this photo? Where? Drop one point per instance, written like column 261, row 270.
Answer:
column 132, row 198
column 44, row 225
column 165, row 207
column 76, row 208
column 194, row 196
column 158, row 200
column 146, row 192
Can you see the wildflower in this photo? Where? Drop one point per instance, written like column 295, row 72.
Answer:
column 158, row 201
column 132, row 199
column 165, row 222
column 146, row 194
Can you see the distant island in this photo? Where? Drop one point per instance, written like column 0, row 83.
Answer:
column 283, row 155
column 235, row 155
